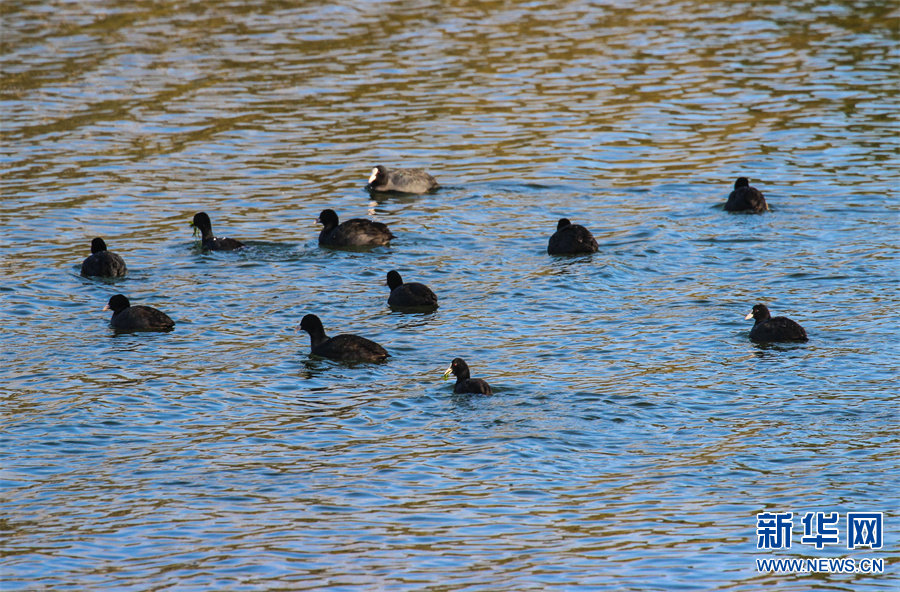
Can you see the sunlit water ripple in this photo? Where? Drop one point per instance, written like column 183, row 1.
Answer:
column 635, row 432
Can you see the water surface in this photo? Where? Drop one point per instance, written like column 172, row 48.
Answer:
column 635, row 432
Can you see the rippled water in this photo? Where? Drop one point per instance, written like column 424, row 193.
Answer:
column 635, row 432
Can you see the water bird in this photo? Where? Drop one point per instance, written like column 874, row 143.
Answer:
column 464, row 384
column 202, row 223
column 136, row 318
column 769, row 328
column 343, row 348
column 746, row 198
column 571, row 239
column 356, row 232
column 101, row 262
column 409, row 295
column 383, row 179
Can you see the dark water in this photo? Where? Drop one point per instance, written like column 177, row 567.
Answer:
column 635, row 432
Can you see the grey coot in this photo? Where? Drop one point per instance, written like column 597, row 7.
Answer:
column 343, row 348
column 202, row 223
column 136, row 318
column 464, row 384
column 410, row 296
column 101, row 262
column 745, row 198
column 401, row 180
column 357, row 232
column 769, row 328
column 571, row 239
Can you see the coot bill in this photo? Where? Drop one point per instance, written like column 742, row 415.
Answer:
column 769, row 328
column 401, row 180
column 464, row 384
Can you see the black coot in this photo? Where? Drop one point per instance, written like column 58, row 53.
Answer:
column 202, row 223
column 344, row 348
column 411, row 296
column 745, row 198
column 769, row 328
column 464, row 384
column 136, row 318
column 401, row 180
column 571, row 239
column 357, row 232
column 102, row 262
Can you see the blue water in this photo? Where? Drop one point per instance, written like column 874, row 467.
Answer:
column 635, row 431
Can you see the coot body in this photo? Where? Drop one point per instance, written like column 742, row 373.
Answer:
column 210, row 242
column 103, row 263
column 409, row 295
column 571, row 239
column 401, row 180
column 769, row 328
column 136, row 318
column 465, row 384
column 745, row 198
column 357, row 232
column 343, row 348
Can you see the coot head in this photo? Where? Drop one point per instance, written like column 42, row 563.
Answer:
column 312, row 325
column 117, row 303
column 98, row 245
column 458, row 368
column 741, row 182
column 328, row 218
column 760, row 313
column 563, row 222
column 202, row 223
column 394, row 280
column 378, row 175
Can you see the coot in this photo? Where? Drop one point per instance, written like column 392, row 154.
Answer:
column 571, row 239
column 410, row 295
column 202, row 223
column 102, row 262
column 745, row 198
column 464, row 384
column 344, row 348
column 401, row 180
column 136, row 318
column 357, row 232
column 769, row 328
